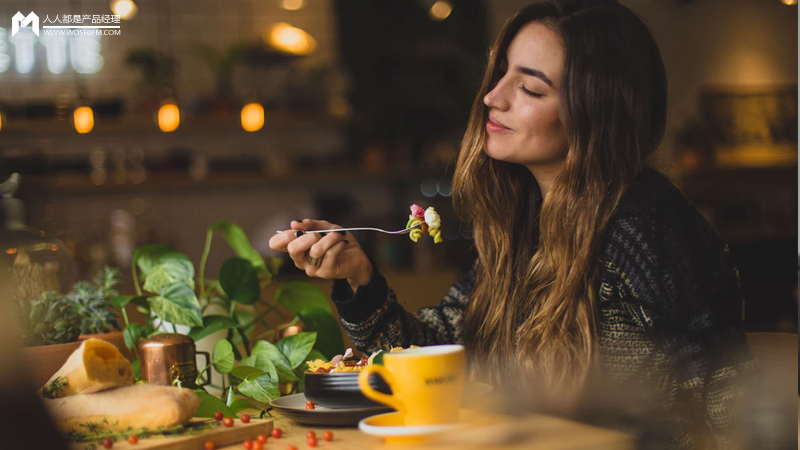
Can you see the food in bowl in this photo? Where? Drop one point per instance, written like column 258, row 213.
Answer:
column 339, row 364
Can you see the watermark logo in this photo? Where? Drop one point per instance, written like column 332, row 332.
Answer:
column 20, row 20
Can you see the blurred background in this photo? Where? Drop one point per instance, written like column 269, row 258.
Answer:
column 264, row 111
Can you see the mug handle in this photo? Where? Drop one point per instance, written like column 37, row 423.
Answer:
column 367, row 390
column 208, row 368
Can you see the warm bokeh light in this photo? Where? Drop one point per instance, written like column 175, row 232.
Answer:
column 125, row 9
column 252, row 117
column 789, row 2
column 441, row 10
column 293, row 5
column 1, row 122
column 83, row 118
column 289, row 39
column 169, row 117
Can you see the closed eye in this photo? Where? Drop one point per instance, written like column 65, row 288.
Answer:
column 532, row 94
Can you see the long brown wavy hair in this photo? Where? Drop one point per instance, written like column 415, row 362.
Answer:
column 532, row 309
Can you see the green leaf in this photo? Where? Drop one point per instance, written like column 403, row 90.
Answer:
column 230, row 398
column 312, row 355
column 378, row 359
column 330, row 341
column 297, row 347
column 177, row 304
column 222, row 356
column 210, row 404
column 212, row 324
column 243, row 372
column 147, row 257
column 237, row 239
column 241, row 404
column 262, row 361
column 239, row 280
column 261, row 389
column 298, row 295
column 131, row 335
column 120, row 302
column 171, row 268
column 265, row 349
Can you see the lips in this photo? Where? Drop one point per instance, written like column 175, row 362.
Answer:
column 494, row 126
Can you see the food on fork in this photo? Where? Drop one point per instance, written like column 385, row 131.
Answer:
column 426, row 221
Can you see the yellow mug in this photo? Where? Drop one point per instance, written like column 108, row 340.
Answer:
column 427, row 383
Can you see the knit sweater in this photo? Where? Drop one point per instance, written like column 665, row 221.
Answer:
column 670, row 315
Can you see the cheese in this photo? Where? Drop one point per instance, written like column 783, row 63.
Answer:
column 95, row 366
column 140, row 406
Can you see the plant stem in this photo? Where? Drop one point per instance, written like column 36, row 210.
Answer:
column 136, row 279
column 174, row 328
column 203, row 259
column 125, row 316
column 246, row 342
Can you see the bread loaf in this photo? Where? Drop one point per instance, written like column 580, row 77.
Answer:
column 139, row 406
column 95, row 366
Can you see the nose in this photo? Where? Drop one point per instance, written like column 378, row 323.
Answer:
column 496, row 99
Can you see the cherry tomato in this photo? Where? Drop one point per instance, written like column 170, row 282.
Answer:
column 311, row 434
column 218, row 415
column 208, row 445
column 245, row 418
column 228, row 422
column 133, row 439
column 291, row 447
column 310, row 406
column 108, row 443
column 257, row 445
column 276, row 433
column 248, row 445
column 262, row 438
column 312, row 442
column 328, row 436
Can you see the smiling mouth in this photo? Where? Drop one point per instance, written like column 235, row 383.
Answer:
column 493, row 126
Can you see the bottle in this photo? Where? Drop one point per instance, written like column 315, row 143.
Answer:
column 33, row 261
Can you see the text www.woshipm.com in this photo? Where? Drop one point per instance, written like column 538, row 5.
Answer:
column 86, row 32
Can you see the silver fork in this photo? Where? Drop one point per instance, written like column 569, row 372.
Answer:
column 407, row 230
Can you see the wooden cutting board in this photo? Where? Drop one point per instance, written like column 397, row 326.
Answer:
column 219, row 435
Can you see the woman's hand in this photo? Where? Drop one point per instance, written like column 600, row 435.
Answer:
column 333, row 255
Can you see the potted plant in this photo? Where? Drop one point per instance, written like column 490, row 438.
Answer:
column 172, row 292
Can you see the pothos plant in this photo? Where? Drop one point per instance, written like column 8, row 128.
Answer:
column 171, row 292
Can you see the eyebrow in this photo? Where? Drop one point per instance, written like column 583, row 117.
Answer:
column 534, row 73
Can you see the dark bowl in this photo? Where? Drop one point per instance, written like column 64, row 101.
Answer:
column 340, row 390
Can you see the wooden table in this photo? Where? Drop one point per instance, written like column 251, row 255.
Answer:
column 534, row 432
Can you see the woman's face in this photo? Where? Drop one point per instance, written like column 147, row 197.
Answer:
column 523, row 125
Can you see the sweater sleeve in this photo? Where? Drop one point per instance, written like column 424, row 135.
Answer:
column 680, row 276
column 374, row 319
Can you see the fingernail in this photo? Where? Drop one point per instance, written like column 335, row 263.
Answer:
column 299, row 233
column 343, row 233
column 323, row 234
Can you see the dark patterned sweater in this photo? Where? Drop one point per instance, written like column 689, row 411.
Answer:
column 670, row 313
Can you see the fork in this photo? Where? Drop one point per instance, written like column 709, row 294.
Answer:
column 407, row 230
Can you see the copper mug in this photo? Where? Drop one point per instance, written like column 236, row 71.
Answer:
column 171, row 356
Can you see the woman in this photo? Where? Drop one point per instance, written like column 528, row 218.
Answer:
column 587, row 259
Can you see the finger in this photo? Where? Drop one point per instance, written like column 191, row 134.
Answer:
column 329, row 266
column 320, row 248
column 311, row 224
column 298, row 247
column 280, row 241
